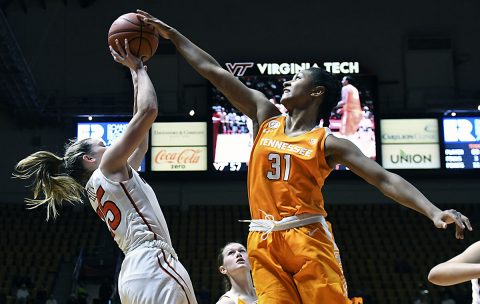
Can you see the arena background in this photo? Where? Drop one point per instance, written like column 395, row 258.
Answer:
column 55, row 64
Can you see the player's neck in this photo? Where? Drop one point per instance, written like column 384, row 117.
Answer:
column 242, row 286
column 300, row 122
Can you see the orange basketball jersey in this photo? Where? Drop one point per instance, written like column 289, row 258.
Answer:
column 286, row 174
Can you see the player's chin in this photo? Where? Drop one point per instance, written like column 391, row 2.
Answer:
column 285, row 100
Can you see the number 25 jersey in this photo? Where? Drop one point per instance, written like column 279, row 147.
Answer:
column 129, row 208
column 286, row 174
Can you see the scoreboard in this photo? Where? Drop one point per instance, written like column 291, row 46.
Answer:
column 461, row 137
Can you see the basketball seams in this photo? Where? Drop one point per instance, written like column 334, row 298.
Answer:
column 150, row 46
column 132, row 42
column 130, row 21
column 131, row 31
column 142, row 38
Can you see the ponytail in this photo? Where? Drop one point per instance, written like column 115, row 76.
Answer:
column 57, row 178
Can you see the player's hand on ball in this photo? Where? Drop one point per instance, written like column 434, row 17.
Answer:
column 162, row 28
column 442, row 218
column 125, row 57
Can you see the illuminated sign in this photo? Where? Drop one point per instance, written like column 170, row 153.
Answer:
column 239, row 68
column 461, row 129
column 410, row 143
column 179, row 146
column 461, row 136
column 411, row 156
column 233, row 132
column 394, row 131
column 179, row 158
column 290, row 68
column 108, row 132
column 179, row 134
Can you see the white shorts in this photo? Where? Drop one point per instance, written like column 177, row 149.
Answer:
column 151, row 276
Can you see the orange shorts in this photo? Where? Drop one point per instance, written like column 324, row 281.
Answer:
column 299, row 265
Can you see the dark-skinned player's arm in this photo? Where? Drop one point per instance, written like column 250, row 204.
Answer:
column 342, row 151
column 250, row 102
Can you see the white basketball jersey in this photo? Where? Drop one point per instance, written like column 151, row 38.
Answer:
column 475, row 292
column 130, row 209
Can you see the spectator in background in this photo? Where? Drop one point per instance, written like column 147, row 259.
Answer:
column 51, row 300
column 235, row 267
column 351, row 108
column 22, row 294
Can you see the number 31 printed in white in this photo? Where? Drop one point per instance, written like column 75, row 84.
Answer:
column 276, row 171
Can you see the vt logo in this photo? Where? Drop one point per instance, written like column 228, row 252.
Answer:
column 238, row 68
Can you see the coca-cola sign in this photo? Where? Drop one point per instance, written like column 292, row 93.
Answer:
column 179, row 158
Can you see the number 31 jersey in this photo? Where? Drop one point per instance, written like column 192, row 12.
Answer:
column 129, row 208
column 286, row 174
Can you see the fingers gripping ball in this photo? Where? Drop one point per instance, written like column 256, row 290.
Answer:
column 142, row 38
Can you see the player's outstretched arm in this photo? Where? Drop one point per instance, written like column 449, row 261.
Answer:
column 342, row 151
column 464, row 267
column 116, row 156
column 251, row 102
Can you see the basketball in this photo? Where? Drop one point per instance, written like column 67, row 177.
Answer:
column 142, row 39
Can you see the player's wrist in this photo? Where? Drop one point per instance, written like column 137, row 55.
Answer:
column 171, row 33
column 137, row 67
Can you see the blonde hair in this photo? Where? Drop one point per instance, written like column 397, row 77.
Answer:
column 57, row 178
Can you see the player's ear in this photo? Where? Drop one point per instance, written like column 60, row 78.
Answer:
column 88, row 158
column 318, row 91
column 222, row 269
